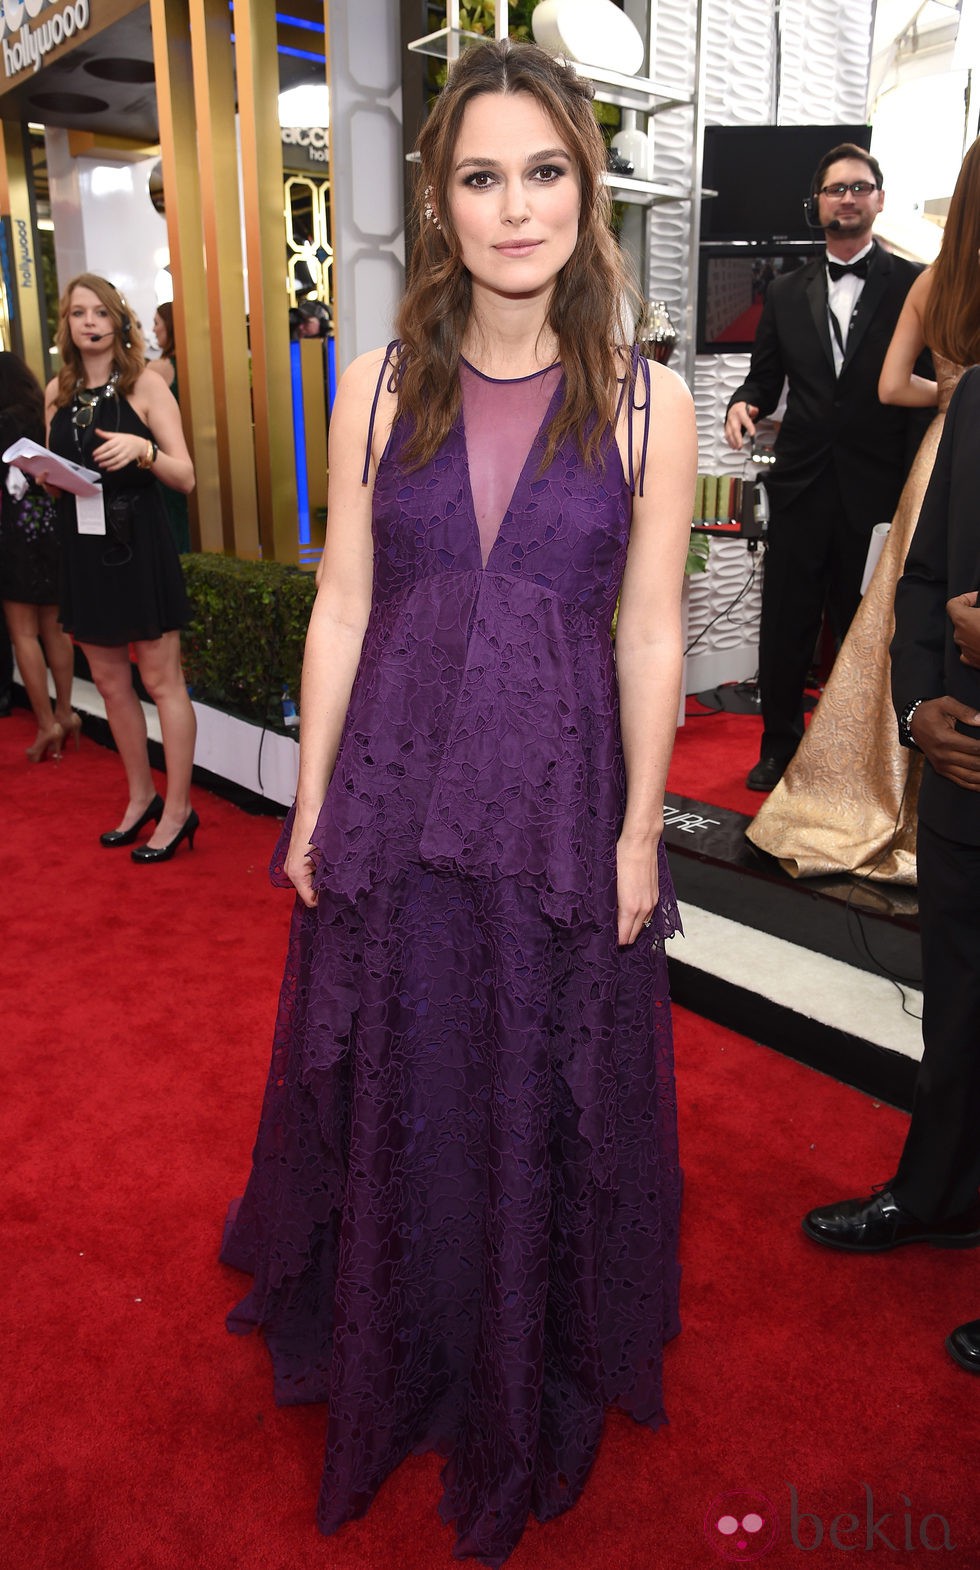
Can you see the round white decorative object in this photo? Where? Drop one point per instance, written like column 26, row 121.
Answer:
column 543, row 26
column 590, row 32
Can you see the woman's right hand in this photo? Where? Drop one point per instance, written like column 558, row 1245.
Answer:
column 299, row 867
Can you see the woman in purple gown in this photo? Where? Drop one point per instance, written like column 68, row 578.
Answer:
column 463, row 1210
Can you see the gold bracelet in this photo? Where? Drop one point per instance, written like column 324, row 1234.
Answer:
column 149, row 458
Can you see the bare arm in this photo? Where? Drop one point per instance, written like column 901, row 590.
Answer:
column 649, row 653
column 898, row 382
column 157, row 408
column 342, row 605
column 50, row 405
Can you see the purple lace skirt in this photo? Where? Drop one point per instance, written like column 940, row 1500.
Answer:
column 463, row 1211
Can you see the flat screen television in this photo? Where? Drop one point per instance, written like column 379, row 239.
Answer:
column 762, row 175
column 732, row 285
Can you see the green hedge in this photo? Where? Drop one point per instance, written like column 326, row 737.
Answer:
column 245, row 642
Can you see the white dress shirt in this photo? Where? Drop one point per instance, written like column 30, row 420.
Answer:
column 842, row 299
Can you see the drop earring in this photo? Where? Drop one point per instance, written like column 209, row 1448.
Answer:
column 428, row 211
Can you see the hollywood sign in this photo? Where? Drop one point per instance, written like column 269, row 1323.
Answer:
column 25, row 46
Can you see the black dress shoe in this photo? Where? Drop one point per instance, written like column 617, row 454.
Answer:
column 187, row 830
column 870, row 1226
column 963, row 1346
column 114, row 837
column 766, row 774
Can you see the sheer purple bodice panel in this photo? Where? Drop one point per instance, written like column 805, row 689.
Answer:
column 463, row 1210
column 500, row 421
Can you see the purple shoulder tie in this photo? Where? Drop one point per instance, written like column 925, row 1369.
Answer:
column 640, row 369
column 374, row 406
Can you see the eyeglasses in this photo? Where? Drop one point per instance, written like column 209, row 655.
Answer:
column 856, row 187
column 86, row 402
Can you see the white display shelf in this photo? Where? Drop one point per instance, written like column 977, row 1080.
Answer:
column 446, row 42
column 631, row 92
column 643, row 193
column 611, row 87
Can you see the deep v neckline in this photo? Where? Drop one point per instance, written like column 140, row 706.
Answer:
column 532, row 456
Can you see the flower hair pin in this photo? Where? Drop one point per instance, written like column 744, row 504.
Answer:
column 428, row 211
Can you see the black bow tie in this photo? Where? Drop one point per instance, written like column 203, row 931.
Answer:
column 843, row 270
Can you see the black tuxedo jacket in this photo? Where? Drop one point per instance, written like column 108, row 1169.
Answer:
column 943, row 560
column 835, row 421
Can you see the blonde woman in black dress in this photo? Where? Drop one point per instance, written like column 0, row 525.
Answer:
column 124, row 587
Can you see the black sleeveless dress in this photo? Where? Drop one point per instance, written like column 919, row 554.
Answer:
column 29, row 545
column 125, row 586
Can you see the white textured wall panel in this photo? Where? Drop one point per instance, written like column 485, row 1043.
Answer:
column 366, row 173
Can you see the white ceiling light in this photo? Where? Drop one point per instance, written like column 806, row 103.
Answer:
column 305, row 106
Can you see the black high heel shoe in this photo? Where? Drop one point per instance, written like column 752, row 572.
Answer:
column 114, row 837
column 186, row 832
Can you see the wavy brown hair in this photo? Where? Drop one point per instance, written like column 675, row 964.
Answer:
column 129, row 362
column 592, row 292
column 165, row 311
column 951, row 319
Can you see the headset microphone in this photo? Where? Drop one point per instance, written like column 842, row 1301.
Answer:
column 811, row 213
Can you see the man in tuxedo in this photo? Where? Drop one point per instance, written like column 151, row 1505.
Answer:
column 936, row 692
column 841, row 457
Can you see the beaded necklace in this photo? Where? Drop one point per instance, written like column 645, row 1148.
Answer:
column 85, row 406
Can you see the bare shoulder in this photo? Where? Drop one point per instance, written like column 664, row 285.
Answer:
column 51, row 392
column 163, row 368
column 150, row 387
column 362, row 375
column 669, row 392
column 671, row 406
column 351, row 414
column 919, row 292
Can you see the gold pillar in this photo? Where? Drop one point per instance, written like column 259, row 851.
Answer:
column 214, row 92
column 257, row 76
column 182, row 189
column 27, row 306
column 312, row 363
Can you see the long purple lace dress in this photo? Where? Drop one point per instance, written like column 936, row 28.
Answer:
column 462, row 1215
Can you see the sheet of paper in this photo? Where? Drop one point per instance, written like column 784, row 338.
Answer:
column 90, row 512
column 44, row 465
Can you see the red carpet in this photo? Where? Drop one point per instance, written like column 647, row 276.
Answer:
column 137, row 1005
column 743, row 328
column 713, row 753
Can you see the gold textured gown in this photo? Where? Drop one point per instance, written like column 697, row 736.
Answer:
column 847, row 800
